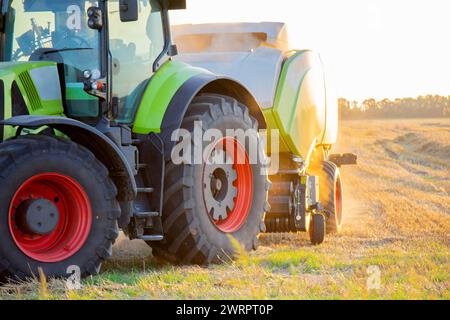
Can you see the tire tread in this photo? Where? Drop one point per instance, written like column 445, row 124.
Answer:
column 190, row 246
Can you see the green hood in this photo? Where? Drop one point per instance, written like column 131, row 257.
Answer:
column 38, row 84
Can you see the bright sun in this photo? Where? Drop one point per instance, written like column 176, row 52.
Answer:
column 373, row 48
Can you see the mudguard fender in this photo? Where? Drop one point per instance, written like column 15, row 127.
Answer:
column 204, row 83
column 94, row 140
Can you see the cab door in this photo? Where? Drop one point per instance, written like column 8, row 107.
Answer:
column 134, row 47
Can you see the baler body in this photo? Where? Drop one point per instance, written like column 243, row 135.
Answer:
column 289, row 85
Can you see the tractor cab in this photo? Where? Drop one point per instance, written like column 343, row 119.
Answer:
column 105, row 49
column 56, row 31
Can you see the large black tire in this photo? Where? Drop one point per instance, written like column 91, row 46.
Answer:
column 190, row 235
column 32, row 162
column 330, row 192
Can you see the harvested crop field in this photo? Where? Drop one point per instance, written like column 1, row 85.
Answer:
column 397, row 227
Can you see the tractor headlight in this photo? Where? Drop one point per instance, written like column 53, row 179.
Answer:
column 87, row 74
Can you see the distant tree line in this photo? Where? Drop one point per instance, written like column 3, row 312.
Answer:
column 431, row 106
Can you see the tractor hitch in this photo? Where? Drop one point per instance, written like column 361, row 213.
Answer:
column 344, row 159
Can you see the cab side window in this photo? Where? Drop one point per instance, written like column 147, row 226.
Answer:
column 134, row 47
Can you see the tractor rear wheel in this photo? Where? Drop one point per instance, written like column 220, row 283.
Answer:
column 207, row 204
column 58, row 208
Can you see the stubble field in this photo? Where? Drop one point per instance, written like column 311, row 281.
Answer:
column 397, row 226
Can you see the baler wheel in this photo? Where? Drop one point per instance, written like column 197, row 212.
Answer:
column 330, row 193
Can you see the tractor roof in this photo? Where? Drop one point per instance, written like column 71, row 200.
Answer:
column 275, row 32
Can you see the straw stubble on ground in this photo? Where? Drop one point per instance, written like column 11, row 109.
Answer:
column 397, row 222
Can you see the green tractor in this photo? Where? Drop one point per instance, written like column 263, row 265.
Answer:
column 94, row 105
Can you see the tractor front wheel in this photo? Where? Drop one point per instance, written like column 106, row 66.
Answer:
column 224, row 197
column 58, row 208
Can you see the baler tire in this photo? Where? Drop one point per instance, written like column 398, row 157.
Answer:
column 191, row 235
column 44, row 163
column 330, row 193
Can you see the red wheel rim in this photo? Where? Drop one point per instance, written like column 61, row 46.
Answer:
column 75, row 217
column 338, row 200
column 243, row 184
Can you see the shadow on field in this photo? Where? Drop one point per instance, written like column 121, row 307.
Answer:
column 131, row 255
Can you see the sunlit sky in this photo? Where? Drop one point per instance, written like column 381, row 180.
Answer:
column 372, row 48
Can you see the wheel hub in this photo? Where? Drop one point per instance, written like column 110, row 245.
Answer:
column 50, row 217
column 228, row 185
column 219, row 189
column 37, row 216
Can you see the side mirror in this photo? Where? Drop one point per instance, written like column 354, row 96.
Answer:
column 95, row 18
column 128, row 10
